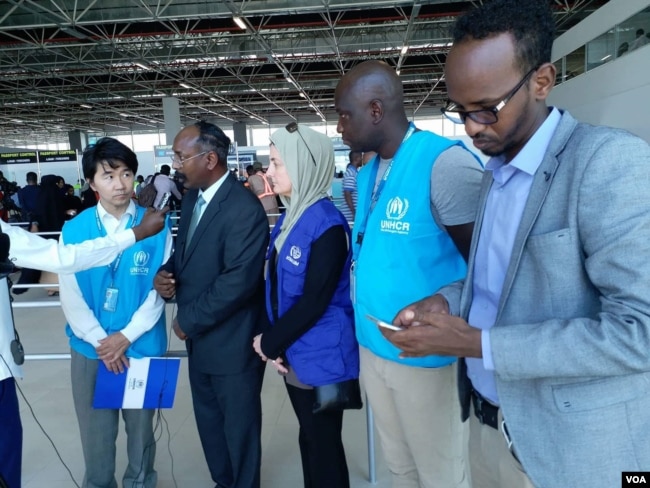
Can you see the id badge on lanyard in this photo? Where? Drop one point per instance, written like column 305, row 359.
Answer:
column 110, row 299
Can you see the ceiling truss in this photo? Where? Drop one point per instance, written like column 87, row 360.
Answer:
column 104, row 66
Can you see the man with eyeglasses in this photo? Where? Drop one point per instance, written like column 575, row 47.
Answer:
column 554, row 315
column 416, row 204
column 216, row 273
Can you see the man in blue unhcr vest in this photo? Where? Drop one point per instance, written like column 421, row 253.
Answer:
column 416, row 206
column 113, row 314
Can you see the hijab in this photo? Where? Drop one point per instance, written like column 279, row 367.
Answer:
column 309, row 182
column 50, row 210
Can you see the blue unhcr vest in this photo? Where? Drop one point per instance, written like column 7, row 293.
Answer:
column 328, row 352
column 404, row 255
column 133, row 278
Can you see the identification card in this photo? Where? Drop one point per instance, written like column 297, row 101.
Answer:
column 110, row 300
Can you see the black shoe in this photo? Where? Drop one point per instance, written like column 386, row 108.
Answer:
column 18, row 291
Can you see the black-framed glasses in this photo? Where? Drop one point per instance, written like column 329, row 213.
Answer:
column 486, row 116
column 293, row 127
column 176, row 159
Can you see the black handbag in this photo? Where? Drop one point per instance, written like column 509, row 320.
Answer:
column 345, row 395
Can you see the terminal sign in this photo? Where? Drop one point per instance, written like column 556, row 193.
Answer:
column 57, row 156
column 18, row 157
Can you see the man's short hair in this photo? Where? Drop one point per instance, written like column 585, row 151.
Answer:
column 250, row 170
column 352, row 153
column 165, row 169
column 212, row 138
column 529, row 21
column 31, row 177
column 107, row 151
column 640, row 32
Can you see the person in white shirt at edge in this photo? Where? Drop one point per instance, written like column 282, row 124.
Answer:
column 349, row 207
column 113, row 314
column 31, row 251
column 164, row 184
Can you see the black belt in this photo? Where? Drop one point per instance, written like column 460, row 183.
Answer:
column 485, row 412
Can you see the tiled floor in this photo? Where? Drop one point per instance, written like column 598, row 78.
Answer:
column 179, row 456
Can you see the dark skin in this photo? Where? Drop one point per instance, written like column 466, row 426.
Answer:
column 199, row 172
column 478, row 73
column 370, row 103
column 152, row 223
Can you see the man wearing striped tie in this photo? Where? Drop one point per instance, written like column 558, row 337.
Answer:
column 113, row 314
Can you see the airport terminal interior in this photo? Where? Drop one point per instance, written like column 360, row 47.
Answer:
column 73, row 71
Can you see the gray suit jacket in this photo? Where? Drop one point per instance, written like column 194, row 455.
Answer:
column 571, row 342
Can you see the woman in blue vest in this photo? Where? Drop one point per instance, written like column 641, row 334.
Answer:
column 311, row 339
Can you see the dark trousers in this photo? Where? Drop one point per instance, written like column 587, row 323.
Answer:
column 11, row 434
column 321, row 447
column 228, row 412
column 27, row 277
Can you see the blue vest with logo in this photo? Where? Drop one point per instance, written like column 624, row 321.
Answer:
column 328, row 352
column 404, row 255
column 136, row 268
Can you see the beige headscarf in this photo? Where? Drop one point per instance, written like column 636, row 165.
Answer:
column 309, row 182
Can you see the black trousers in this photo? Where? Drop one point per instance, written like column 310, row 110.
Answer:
column 228, row 412
column 321, row 447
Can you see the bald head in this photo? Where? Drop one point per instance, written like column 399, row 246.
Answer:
column 374, row 80
column 370, row 102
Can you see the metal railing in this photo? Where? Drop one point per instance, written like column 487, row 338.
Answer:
column 372, row 475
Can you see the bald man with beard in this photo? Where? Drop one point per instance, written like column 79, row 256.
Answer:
column 417, row 201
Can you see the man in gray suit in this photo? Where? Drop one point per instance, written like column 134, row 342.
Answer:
column 554, row 315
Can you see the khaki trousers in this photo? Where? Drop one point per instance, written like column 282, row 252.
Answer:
column 491, row 462
column 417, row 417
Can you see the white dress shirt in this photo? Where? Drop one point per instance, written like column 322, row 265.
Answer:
column 81, row 318
column 503, row 210
column 209, row 192
column 31, row 251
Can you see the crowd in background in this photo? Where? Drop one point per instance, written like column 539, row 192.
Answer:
column 514, row 295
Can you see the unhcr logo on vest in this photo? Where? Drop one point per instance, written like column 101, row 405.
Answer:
column 140, row 260
column 294, row 255
column 396, row 210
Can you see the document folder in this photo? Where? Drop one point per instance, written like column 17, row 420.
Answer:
column 146, row 383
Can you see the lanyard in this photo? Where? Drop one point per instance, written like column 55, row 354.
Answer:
column 102, row 231
column 382, row 183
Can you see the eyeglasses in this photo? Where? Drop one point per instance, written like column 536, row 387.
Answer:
column 485, row 116
column 176, row 159
column 293, row 127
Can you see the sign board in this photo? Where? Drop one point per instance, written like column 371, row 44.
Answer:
column 163, row 151
column 57, row 156
column 18, row 157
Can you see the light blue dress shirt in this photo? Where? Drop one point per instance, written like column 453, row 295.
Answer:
column 503, row 210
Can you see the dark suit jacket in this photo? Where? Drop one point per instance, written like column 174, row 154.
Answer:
column 219, row 279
